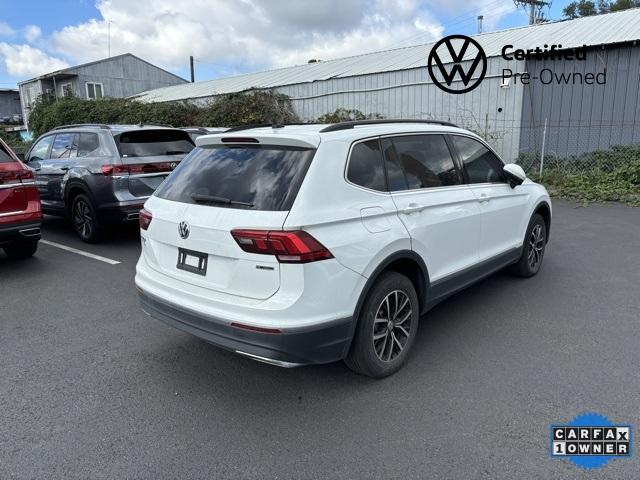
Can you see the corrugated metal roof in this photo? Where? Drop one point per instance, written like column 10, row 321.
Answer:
column 597, row 30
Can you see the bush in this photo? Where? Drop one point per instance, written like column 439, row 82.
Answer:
column 347, row 115
column 603, row 175
column 225, row 111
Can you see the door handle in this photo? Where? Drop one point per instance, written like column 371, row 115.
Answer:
column 64, row 169
column 37, row 169
column 484, row 198
column 412, row 208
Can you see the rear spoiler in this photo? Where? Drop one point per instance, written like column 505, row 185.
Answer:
column 249, row 138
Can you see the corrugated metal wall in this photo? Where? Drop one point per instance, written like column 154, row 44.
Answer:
column 490, row 110
column 122, row 76
column 584, row 118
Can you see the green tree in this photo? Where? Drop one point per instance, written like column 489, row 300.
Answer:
column 585, row 8
column 582, row 8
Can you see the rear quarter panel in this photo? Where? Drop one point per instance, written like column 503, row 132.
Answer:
column 360, row 227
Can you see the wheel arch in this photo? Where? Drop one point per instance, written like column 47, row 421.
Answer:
column 544, row 209
column 406, row 262
column 73, row 189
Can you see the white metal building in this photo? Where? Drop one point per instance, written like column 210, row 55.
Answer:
column 396, row 83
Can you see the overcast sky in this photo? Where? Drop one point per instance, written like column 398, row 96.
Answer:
column 228, row 36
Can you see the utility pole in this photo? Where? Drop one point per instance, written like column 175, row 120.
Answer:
column 535, row 9
column 193, row 73
column 109, row 39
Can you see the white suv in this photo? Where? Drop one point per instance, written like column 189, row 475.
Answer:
column 304, row 244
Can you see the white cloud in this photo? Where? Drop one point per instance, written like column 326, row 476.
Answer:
column 249, row 32
column 32, row 33
column 25, row 61
column 242, row 33
column 6, row 30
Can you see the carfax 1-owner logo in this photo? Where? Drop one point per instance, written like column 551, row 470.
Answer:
column 590, row 440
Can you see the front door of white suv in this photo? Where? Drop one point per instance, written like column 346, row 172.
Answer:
column 503, row 209
column 440, row 213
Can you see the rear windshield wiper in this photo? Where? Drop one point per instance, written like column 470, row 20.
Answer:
column 201, row 198
column 175, row 152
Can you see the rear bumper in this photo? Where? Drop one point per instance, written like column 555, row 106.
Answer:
column 20, row 232
column 301, row 346
column 121, row 211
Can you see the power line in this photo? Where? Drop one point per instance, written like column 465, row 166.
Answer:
column 535, row 8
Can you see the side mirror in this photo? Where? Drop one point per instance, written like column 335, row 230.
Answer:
column 514, row 173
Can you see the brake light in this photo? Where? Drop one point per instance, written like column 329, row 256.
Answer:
column 295, row 246
column 144, row 219
column 25, row 175
column 137, row 168
column 15, row 176
column 240, row 140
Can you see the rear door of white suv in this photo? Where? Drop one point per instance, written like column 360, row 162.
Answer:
column 503, row 209
column 440, row 212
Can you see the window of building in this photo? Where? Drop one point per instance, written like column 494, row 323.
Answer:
column 67, row 90
column 94, row 90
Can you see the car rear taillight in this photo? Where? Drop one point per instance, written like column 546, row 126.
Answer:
column 137, row 168
column 144, row 219
column 15, row 176
column 295, row 246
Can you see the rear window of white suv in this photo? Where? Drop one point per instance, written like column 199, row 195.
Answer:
column 252, row 177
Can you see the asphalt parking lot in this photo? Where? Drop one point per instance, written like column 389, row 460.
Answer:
column 90, row 387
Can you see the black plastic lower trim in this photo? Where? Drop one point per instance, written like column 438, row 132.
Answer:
column 20, row 232
column 444, row 287
column 314, row 345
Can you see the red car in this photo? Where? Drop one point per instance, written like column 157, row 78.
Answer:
column 20, row 210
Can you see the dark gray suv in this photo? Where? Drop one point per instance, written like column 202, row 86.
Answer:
column 102, row 174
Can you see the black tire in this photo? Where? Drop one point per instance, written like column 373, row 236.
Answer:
column 84, row 219
column 20, row 250
column 370, row 352
column 533, row 247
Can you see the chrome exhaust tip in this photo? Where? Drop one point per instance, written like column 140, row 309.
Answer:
column 270, row 361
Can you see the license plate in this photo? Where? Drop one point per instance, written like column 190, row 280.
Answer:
column 192, row 261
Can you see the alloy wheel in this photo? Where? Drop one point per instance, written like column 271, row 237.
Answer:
column 392, row 325
column 536, row 247
column 82, row 218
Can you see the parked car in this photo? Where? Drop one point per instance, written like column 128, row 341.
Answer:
column 195, row 132
column 308, row 244
column 102, row 174
column 20, row 213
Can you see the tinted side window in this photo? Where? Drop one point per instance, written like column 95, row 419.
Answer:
column 40, row 150
column 4, row 156
column 480, row 163
column 64, row 146
column 88, row 145
column 425, row 160
column 395, row 175
column 365, row 166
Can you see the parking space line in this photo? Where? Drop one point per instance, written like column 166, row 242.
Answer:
column 80, row 252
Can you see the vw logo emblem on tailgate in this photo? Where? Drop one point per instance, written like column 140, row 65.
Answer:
column 183, row 230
